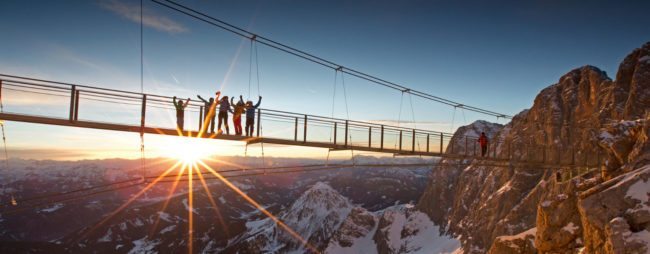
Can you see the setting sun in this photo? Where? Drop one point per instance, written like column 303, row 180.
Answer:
column 188, row 150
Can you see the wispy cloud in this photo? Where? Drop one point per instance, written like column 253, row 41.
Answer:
column 149, row 18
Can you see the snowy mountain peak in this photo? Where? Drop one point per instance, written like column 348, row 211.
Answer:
column 317, row 213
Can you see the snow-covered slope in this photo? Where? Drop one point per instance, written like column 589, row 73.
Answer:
column 314, row 217
column 397, row 229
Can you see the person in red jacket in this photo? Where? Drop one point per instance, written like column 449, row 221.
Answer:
column 483, row 140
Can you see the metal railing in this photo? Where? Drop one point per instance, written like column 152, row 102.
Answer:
column 295, row 128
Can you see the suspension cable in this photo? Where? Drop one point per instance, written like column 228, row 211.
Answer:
column 415, row 126
column 347, row 112
column 250, row 69
column 453, row 119
column 4, row 142
column 310, row 57
column 142, row 151
column 399, row 115
column 334, row 85
column 257, row 69
column 463, row 111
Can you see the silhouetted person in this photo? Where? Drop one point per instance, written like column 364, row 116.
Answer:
column 250, row 115
column 180, row 112
column 224, row 107
column 483, row 140
column 209, row 114
column 236, row 115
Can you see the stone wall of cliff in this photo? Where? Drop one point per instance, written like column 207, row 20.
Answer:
column 577, row 119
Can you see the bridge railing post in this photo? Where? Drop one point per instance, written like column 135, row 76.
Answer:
column 335, row 131
column 413, row 142
column 76, row 106
column 304, row 139
column 441, row 142
column 259, row 121
column 295, row 130
column 73, row 92
column 200, row 116
column 381, row 137
column 428, row 137
column 143, row 112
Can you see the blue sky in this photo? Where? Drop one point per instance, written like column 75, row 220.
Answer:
column 495, row 55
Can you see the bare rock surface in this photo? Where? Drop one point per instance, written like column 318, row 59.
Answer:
column 584, row 119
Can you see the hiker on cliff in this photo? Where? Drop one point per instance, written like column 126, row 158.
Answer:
column 483, row 140
column 180, row 112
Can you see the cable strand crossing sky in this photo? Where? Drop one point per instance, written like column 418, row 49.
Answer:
column 318, row 60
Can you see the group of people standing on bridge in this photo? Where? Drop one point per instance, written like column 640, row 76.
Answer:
column 224, row 106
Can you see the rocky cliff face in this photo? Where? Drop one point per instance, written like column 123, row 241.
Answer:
column 583, row 119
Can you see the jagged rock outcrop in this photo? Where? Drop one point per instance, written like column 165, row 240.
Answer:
column 397, row 229
column 616, row 213
column 522, row 243
column 482, row 204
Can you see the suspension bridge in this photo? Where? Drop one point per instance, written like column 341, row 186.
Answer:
column 39, row 101
column 68, row 102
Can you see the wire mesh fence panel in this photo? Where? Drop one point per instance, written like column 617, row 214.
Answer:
column 391, row 139
column 29, row 101
column 108, row 109
column 358, row 136
column 161, row 117
column 407, row 139
column 375, row 138
column 421, row 142
column 277, row 127
column 317, row 131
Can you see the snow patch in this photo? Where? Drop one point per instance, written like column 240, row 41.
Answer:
column 106, row 238
column 143, row 245
column 167, row 229
column 571, row 228
column 645, row 59
column 56, row 206
column 639, row 191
